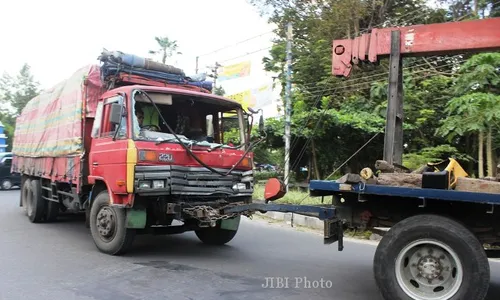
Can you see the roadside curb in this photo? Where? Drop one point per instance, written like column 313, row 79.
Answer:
column 295, row 219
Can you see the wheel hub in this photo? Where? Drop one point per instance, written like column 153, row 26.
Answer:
column 6, row 185
column 106, row 222
column 429, row 267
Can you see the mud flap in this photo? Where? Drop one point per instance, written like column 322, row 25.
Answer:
column 136, row 218
column 230, row 224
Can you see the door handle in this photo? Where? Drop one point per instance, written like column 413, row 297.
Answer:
column 95, row 164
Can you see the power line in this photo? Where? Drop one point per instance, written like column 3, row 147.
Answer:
column 236, row 44
column 323, row 113
column 248, row 53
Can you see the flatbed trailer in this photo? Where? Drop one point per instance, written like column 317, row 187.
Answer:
column 438, row 240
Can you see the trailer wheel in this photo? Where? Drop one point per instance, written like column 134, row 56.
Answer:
column 431, row 257
column 216, row 235
column 108, row 228
column 25, row 191
column 36, row 204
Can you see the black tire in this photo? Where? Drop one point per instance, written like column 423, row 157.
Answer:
column 475, row 270
column 215, row 235
column 118, row 239
column 6, row 184
column 36, row 204
column 52, row 211
column 25, row 191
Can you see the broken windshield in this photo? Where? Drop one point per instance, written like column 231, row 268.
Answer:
column 192, row 119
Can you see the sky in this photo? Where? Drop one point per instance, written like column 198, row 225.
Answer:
column 58, row 37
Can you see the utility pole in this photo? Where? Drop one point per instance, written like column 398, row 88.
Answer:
column 197, row 59
column 214, row 75
column 288, row 91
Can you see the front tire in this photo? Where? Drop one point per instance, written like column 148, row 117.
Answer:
column 216, row 235
column 431, row 257
column 108, row 227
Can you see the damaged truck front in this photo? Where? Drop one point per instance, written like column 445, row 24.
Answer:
column 135, row 158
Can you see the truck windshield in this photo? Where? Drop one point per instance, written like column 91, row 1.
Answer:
column 195, row 120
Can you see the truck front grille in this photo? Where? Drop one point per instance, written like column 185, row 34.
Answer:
column 179, row 180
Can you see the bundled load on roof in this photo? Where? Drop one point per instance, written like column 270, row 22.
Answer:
column 123, row 67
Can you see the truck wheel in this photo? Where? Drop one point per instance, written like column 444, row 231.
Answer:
column 108, row 227
column 25, row 191
column 36, row 204
column 52, row 211
column 6, row 184
column 216, row 235
column 431, row 257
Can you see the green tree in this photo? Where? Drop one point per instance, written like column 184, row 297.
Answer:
column 476, row 108
column 219, row 91
column 15, row 92
column 167, row 48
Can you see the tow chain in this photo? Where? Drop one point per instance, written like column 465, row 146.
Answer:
column 206, row 213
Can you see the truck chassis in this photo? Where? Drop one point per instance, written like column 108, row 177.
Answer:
column 438, row 242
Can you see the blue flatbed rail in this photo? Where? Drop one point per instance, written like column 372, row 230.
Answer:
column 333, row 230
column 324, row 188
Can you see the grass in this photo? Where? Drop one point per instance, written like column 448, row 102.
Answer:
column 292, row 197
column 298, row 197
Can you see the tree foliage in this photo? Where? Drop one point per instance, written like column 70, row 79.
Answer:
column 332, row 118
column 167, row 48
column 15, row 92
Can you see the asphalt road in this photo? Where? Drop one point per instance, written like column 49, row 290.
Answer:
column 60, row 261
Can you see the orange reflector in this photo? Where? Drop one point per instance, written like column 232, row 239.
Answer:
column 120, row 182
column 274, row 190
column 147, row 155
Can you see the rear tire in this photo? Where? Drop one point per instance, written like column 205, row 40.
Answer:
column 25, row 191
column 431, row 257
column 215, row 235
column 36, row 204
column 52, row 211
column 108, row 226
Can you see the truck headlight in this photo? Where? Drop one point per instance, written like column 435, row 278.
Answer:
column 239, row 186
column 144, row 184
column 158, row 184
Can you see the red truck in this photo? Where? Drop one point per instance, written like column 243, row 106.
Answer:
column 134, row 148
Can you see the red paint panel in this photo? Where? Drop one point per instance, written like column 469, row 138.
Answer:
column 108, row 160
column 220, row 158
column 61, row 169
column 419, row 40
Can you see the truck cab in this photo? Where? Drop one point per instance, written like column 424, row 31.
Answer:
column 158, row 154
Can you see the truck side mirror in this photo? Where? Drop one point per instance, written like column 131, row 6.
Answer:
column 115, row 114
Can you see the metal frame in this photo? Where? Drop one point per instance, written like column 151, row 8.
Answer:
column 323, row 187
column 333, row 229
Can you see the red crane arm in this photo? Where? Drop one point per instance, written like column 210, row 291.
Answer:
column 417, row 40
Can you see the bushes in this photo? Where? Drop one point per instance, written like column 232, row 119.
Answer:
column 265, row 175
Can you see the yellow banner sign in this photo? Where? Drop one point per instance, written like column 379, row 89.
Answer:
column 235, row 71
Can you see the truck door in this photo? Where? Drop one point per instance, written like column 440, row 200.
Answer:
column 108, row 154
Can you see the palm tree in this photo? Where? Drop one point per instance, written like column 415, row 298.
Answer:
column 167, row 48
